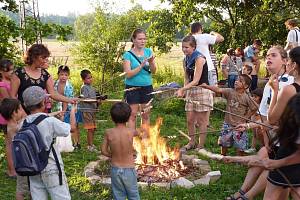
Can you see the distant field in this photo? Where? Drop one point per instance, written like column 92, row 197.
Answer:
column 60, row 50
column 172, row 60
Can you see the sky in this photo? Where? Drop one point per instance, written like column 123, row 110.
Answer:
column 79, row 7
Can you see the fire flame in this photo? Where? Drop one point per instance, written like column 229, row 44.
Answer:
column 153, row 149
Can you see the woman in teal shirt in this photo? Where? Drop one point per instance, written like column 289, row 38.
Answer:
column 139, row 65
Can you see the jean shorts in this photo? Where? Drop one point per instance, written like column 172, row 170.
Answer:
column 141, row 95
column 124, row 183
column 231, row 138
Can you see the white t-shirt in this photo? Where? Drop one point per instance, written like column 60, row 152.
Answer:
column 292, row 37
column 51, row 128
column 265, row 103
column 203, row 40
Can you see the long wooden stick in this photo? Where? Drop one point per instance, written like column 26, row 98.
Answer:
column 230, row 113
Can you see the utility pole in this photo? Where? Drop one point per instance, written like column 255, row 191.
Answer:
column 29, row 9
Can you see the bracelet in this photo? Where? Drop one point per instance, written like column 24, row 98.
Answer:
column 248, row 125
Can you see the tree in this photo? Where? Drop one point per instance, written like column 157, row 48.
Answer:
column 10, row 31
column 239, row 21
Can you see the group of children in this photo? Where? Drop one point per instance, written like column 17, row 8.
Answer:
column 33, row 101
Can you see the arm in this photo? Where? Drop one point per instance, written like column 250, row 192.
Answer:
column 200, row 61
column 290, row 160
column 152, row 64
column 4, row 93
column 219, row 38
column 14, row 86
column 212, row 88
column 279, row 102
column 54, row 94
column 104, row 147
column 288, row 46
column 72, row 117
column 132, row 72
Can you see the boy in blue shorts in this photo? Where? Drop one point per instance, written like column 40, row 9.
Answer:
column 238, row 102
column 118, row 145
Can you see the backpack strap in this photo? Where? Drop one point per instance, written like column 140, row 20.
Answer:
column 57, row 163
column 39, row 119
column 296, row 30
column 147, row 70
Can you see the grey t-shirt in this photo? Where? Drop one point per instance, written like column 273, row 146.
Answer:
column 87, row 91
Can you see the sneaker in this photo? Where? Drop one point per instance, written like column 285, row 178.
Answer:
column 77, row 146
column 92, row 148
column 250, row 151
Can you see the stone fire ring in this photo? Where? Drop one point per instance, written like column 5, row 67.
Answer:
column 203, row 165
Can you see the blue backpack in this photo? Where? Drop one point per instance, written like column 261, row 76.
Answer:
column 29, row 151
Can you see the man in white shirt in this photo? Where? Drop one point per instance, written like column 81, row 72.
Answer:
column 203, row 41
column 293, row 37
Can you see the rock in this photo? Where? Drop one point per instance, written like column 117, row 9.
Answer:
column 197, row 162
column 106, row 181
column 182, row 182
column 143, row 184
column 188, row 159
column 202, row 181
column 162, row 185
column 214, row 176
column 103, row 158
column 89, row 173
column 94, row 179
column 90, row 168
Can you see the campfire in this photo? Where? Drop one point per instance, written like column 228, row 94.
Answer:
column 155, row 161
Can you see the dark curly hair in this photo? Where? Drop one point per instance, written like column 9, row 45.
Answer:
column 34, row 52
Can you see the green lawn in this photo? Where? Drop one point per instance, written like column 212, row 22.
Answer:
column 174, row 117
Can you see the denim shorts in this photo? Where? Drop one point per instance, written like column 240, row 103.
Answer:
column 47, row 183
column 231, row 138
column 124, row 183
column 141, row 95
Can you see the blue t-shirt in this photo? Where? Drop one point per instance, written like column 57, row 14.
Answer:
column 249, row 53
column 143, row 78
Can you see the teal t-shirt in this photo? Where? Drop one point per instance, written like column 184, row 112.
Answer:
column 143, row 78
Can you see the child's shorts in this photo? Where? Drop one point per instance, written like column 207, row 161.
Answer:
column 124, row 183
column 78, row 117
column 89, row 120
column 231, row 138
column 200, row 96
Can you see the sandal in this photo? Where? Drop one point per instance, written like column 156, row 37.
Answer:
column 241, row 197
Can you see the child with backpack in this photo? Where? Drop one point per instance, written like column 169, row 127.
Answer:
column 13, row 113
column 48, row 178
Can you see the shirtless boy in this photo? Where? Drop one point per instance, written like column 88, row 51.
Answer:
column 118, row 145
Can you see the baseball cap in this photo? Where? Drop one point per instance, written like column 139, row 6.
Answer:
column 34, row 95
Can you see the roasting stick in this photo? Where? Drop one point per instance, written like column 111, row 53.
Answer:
column 189, row 138
column 230, row 113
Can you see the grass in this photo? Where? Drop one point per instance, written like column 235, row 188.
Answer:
column 169, row 69
column 174, row 117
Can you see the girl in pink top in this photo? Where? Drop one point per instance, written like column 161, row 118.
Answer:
column 6, row 71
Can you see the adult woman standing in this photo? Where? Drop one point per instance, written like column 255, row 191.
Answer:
column 35, row 74
column 138, row 64
column 196, row 73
